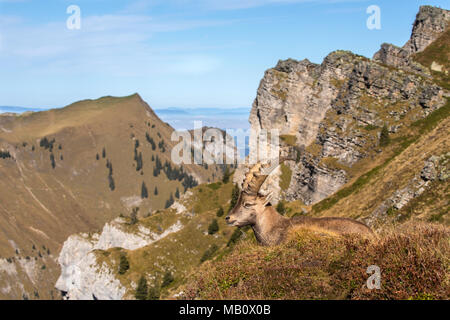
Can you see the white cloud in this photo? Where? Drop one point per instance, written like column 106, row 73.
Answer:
column 116, row 45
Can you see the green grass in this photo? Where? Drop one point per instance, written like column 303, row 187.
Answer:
column 285, row 178
column 438, row 217
column 215, row 185
column 427, row 124
column 439, row 52
column 370, row 127
column 289, row 139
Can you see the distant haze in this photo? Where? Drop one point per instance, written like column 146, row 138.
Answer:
column 183, row 118
column 5, row 109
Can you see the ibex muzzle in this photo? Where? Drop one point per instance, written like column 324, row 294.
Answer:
column 253, row 209
column 246, row 209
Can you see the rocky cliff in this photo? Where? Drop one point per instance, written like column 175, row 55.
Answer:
column 173, row 240
column 429, row 24
column 82, row 277
column 334, row 112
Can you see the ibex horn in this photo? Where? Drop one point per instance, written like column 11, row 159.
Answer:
column 258, row 174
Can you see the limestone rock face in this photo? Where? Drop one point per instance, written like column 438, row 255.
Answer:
column 397, row 57
column 435, row 167
column 328, row 108
column 82, row 278
column 293, row 97
column 334, row 111
column 429, row 23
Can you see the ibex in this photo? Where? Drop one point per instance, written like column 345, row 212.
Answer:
column 269, row 226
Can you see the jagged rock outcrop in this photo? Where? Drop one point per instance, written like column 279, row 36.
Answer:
column 429, row 24
column 82, row 277
column 435, row 168
column 334, row 111
column 397, row 57
column 327, row 108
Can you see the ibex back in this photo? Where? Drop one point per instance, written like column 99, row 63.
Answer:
column 270, row 228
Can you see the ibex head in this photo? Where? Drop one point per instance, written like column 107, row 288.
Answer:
column 251, row 202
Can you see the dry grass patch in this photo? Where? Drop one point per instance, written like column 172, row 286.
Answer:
column 314, row 264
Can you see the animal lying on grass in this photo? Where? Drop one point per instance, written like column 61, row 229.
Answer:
column 270, row 228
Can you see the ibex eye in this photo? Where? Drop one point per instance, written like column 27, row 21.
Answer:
column 247, row 205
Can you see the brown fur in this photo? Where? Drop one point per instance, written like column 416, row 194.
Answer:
column 271, row 228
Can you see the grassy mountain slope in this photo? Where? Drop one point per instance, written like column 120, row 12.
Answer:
column 177, row 253
column 411, row 247
column 314, row 264
column 436, row 57
column 395, row 166
column 55, row 181
column 403, row 160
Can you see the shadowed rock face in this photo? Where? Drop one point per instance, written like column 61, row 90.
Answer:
column 328, row 107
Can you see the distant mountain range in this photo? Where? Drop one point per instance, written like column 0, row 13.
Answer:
column 183, row 118
column 8, row 109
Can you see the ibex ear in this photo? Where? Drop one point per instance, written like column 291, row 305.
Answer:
column 266, row 199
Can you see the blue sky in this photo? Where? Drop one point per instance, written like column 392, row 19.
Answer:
column 177, row 53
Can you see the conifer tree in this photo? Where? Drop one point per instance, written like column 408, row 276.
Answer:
column 220, row 212
column 234, row 196
column 384, row 136
column 154, row 293
column 167, row 279
column 134, row 216
column 142, row 289
column 226, row 175
column 52, row 160
column 124, row 265
column 112, row 185
column 169, row 202
column 281, row 208
column 144, row 191
column 213, row 227
column 139, row 162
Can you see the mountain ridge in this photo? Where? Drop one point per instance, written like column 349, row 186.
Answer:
column 72, row 170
